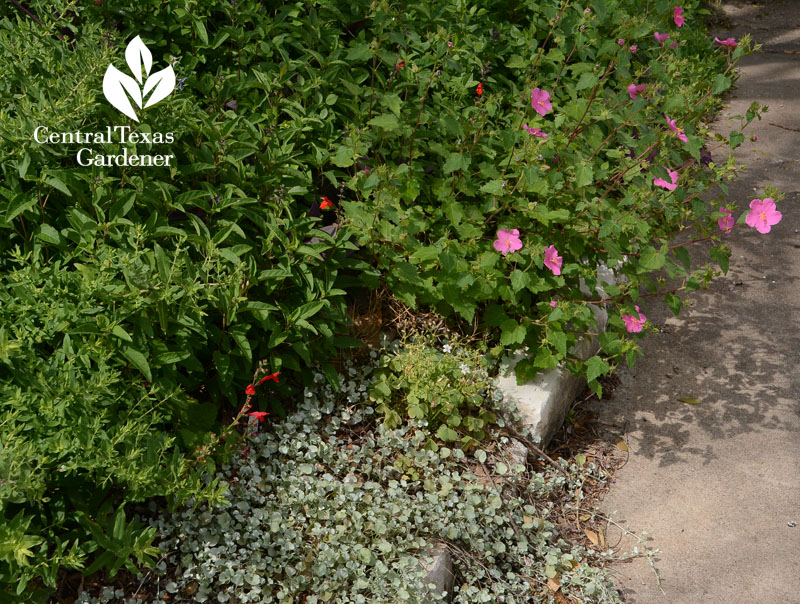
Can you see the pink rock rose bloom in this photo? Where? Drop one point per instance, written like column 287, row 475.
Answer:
column 726, row 222
column 534, row 131
column 729, row 42
column 674, row 127
column 634, row 89
column 678, row 16
column 552, row 260
column 540, row 101
column 673, row 176
column 634, row 324
column 507, row 241
column 634, row 48
column 763, row 215
column 661, row 37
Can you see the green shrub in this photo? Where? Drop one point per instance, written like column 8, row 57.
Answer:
column 438, row 154
column 448, row 389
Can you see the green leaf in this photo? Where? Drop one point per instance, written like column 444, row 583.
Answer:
column 21, row 203
column 512, row 332
column 559, row 340
column 200, row 28
column 516, row 62
column 736, row 138
column 49, row 235
column 494, row 187
column 721, row 83
column 650, row 259
column 58, row 184
column 690, row 401
column 595, row 367
column 446, row 434
column 138, row 360
column 584, row 175
column 456, row 161
column 343, row 156
column 587, row 80
column 721, row 255
column 385, row 121
column 519, row 280
column 119, row 525
column 22, row 165
column 674, row 302
column 118, row 331
column 683, row 256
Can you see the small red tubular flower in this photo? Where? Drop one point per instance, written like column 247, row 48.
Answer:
column 271, row 376
column 326, row 203
column 401, row 64
column 250, row 390
column 480, row 89
column 259, row 415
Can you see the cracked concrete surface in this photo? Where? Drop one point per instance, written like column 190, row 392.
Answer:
column 716, row 485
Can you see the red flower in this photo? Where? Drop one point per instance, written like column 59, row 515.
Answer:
column 401, row 64
column 480, row 89
column 259, row 415
column 326, row 203
column 250, row 390
column 271, row 376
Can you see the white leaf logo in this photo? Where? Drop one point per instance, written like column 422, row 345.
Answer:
column 116, row 84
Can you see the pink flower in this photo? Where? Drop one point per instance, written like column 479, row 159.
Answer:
column 621, row 42
column 678, row 16
column 259, row 415
column 726, row 222
column 661, row 37
column 674, row 127
column 534, row 131
column 634, row 48
column 540, row 101
column 674, row 45
column 553, row 303
column 552, row 260
column 729, row 42
column 763, row 215
column 634, row 89
column 634, row 324
column 673, row 176
column 507, row 241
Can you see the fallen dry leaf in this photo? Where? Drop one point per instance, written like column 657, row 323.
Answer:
column 592, row 536
column 622, row 445
column 554, row 584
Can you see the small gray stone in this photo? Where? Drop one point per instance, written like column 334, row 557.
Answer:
column 517, row 452
column 440, row 571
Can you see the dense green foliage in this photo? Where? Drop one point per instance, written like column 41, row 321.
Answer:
column 136, row 302
column 446, row 388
